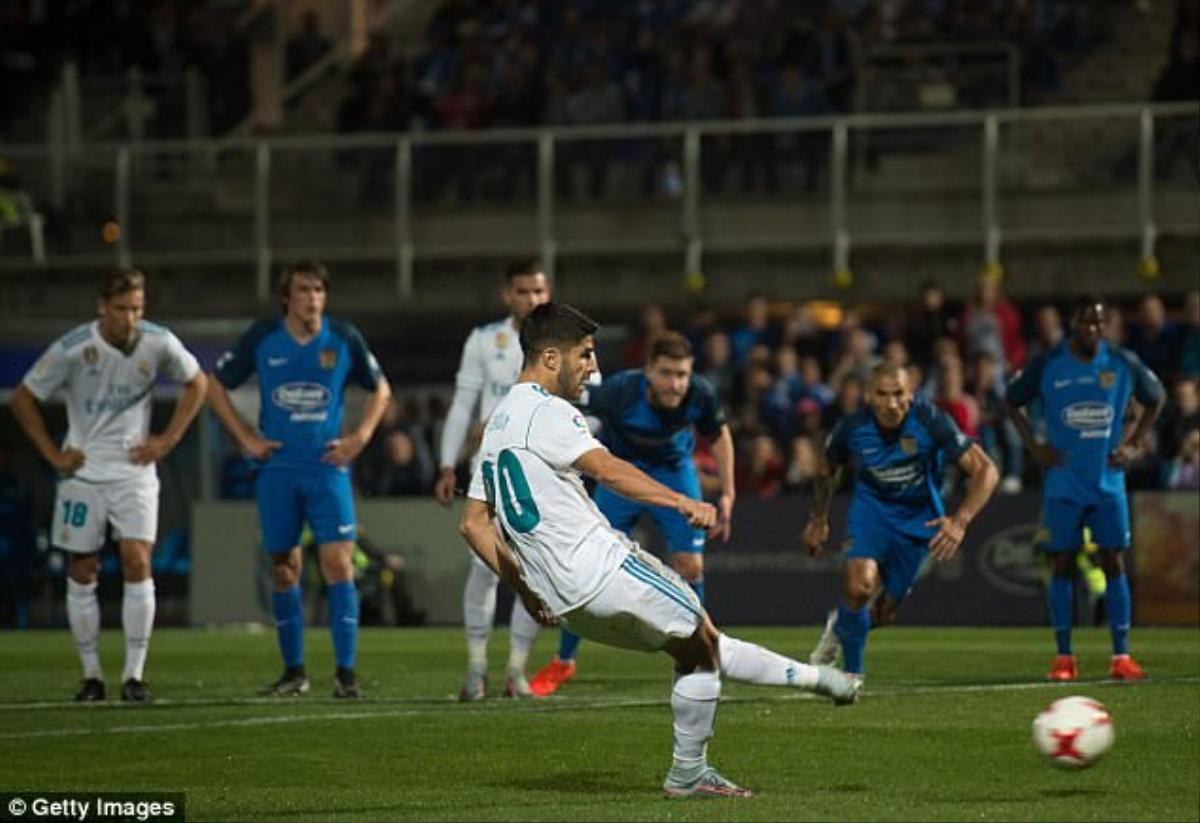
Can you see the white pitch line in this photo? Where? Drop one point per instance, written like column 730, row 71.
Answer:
column 539, row 706
column 270, row 720
column 898, row 688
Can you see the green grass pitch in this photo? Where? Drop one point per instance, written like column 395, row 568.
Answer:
column 943, row 732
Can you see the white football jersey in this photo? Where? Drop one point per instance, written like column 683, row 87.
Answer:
column 491, row 362
column 566, row 548
column 107, row 393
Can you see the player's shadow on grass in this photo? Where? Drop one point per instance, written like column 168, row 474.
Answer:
column 581, row 782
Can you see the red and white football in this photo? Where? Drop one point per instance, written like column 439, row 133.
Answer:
column 1073, row 732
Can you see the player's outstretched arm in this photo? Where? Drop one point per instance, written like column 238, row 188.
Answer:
column 29, row 414
column 247, row 439
column 982, row 479
column 630, row 481
column 342, row 450
column 158, row 446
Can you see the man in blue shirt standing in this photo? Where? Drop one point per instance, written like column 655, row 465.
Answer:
column 1084, row 385
column 648, row 417
column 303, row 361
column 896, row 516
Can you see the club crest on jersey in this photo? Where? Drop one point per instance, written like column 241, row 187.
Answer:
column 90, row 355
column 1108, row 379
column 908, row 445
column 328, row 358
column 502, row 340
column 143, row 368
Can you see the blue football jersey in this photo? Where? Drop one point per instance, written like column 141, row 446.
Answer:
column 1083, row 406
column 899, row 472
column 300, row 386
column 644, row 435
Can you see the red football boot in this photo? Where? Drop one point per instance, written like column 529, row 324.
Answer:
column 551, row 676
column 1124, row 667
column 1064, row 669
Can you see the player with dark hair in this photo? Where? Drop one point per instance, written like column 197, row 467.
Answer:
column 491, row 361
column 648, row 417
column 566, row 563
column 1085, row 384
column 897, row 517
column 107, row 370
column 304, row 360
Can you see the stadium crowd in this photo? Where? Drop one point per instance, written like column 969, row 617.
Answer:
column 105, row 39
column 525, row 62
column 787, row 371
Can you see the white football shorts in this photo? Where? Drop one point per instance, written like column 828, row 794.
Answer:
column 82, row 509
column 643, row 605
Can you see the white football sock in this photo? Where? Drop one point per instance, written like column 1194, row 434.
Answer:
column 479, row 610
column 754, row 664
column 522, row 634
column 137, row 617
column 694, row 703
column 83, row 613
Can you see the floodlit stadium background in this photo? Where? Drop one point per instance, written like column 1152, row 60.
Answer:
column 801, row 188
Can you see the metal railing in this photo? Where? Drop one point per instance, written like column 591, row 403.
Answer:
column 999, row 176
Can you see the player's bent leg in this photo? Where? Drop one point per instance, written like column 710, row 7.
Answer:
column 137, row 617
column 83, row 615
column 647, row 607
column 337, row 567
column 287, row 604
column 854, row 621
column 690, row 566
column 694, row 698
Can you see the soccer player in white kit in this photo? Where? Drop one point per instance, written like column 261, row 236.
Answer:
column 491, row 361
column 107, row 370
column 569, row 565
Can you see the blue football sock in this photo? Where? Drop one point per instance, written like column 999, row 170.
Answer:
column 568, row 643
column 698, row 587
column 343, row 622
column 288, row 608
column 1062, row 590
column 851, row 629
column 1117, row 597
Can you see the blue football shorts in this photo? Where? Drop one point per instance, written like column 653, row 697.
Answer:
column 289, row 497
column 1108, row 520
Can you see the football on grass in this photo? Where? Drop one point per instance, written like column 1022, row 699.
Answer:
column 1073, row 732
